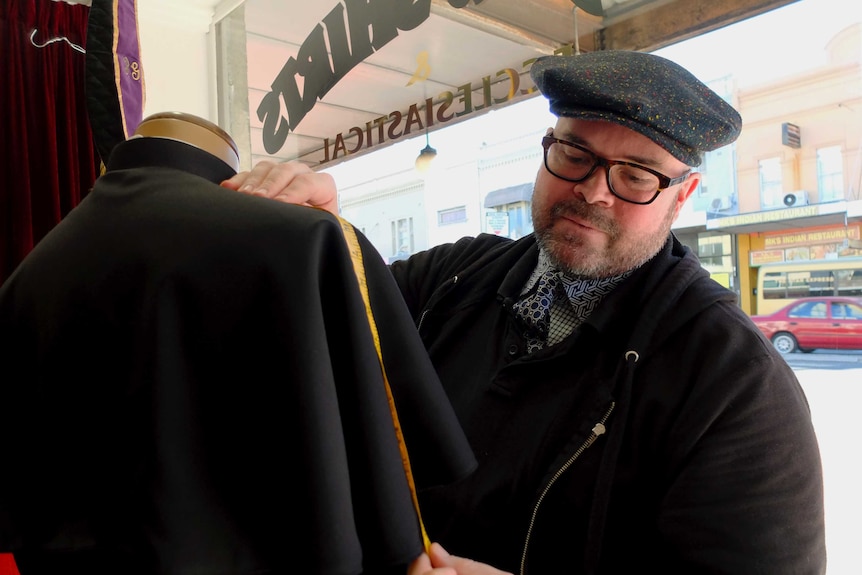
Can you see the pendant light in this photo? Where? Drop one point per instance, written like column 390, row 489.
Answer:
column 426, row 155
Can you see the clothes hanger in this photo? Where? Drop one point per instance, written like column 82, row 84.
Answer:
column 52, row 40
column 61, row 38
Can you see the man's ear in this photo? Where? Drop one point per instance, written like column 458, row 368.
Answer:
column 686, row 189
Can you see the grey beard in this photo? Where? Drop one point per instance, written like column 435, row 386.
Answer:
column 554, row 248
column 586, row 266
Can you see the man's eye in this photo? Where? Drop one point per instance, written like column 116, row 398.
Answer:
column 578, row 160
column 639, row 178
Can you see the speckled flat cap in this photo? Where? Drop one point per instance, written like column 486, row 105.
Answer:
column 643, row 92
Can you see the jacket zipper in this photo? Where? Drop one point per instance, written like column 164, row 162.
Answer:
column 598, row 430
column 454, row 280
column 421, row 319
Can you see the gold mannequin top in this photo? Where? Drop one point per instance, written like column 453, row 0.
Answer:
column 192, row 130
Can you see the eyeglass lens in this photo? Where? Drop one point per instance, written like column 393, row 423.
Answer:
column 628, row 182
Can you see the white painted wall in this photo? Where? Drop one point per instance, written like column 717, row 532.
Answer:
column 178, row 56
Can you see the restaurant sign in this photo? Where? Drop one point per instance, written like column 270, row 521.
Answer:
column 763, row 217
column 814, row 236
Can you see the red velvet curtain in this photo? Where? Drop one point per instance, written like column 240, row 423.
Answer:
column 7, row 564
column 47, row 155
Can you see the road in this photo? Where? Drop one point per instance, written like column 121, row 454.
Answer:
column 833, row 385
column 826, row 359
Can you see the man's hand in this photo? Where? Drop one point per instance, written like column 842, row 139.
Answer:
column 439, row 562
column 288, row 182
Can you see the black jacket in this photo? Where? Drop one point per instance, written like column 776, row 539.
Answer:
column 191, row 385
column 664, row 435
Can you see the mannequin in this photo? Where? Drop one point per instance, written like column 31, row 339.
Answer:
column 191, row 383
column 180, row 141
column 194, row 131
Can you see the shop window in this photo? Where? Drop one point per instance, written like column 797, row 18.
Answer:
column 774, row 285
column 771, row 188
column 849, row 282
column 830, row 174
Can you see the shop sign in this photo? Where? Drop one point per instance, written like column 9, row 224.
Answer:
column 763, row 217
column 760, row 257
column 805, row 238
column 450, row 106
column 350, row 33
column 497, row 223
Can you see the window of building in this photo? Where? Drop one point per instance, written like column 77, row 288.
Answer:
column 771, row 188
column 452, row 216
column 715, row 251
column 717, row 188
column 718, row 183
column 402, row 236
column 830, row 174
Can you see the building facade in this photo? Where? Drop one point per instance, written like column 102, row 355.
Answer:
column 787, row 189
column 798, row 166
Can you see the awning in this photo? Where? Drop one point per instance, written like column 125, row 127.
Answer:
column 781, row 219
column 330, row 80
column 510, row 195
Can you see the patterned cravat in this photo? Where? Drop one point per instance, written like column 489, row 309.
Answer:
column 535, row 308
column 585, row 294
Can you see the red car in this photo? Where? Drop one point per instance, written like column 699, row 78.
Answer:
column 814, row 323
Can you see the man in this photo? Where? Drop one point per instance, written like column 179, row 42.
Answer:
column 645, row 424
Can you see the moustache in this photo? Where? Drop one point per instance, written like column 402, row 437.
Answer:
column 593, row 215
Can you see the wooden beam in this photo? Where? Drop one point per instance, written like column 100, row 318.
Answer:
column 495, row 27
column 678, row 20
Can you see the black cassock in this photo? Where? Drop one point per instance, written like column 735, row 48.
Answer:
column 190, row 384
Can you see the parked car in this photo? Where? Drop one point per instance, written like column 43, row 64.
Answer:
column 814, row 323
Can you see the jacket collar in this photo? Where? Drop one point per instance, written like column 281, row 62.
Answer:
column 164, row 153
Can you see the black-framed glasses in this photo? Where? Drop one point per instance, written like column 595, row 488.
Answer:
column 627, row 181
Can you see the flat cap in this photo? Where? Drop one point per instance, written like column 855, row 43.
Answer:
column 643, row 92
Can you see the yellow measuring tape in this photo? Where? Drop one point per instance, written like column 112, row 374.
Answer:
column 359, row 269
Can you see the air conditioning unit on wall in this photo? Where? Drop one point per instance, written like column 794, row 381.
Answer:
column 720, row 203
column 798, row 198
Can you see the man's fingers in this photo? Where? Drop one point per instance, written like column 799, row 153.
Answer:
column 266, row 178
column 439, row 556
column 420, row 566
column 443, row 562
column 273, row 182
column 289, row 182
column 249, row 180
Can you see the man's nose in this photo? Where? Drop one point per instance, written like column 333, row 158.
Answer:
column 594, row 188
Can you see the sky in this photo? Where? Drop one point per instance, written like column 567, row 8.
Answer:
column 777, row 44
